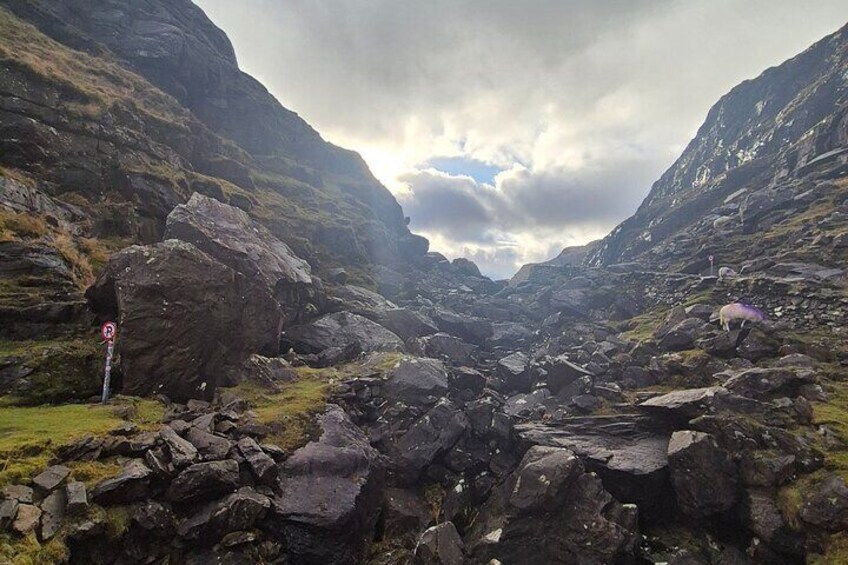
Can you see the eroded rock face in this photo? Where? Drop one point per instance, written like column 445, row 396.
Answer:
column 185, row 319
column 330, row 494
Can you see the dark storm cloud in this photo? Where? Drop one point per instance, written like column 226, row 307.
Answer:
column 582, row 104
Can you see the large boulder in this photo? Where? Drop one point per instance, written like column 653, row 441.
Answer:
column 407, row 324
column 468, row 328
column 439, row 545
column 185, row 319
column 703, row 474
column 330, row 494
column 341, row 330
column 444, row 346
column 417, row 381
column 229, row 235
column 551, row 511
column 430, row 436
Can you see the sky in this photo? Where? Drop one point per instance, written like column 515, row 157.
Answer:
column 508, row 130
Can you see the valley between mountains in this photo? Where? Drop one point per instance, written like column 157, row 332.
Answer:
column 299, row 379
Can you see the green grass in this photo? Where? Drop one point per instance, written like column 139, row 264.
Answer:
column 289, row 411
column 28, row 551
column 29, row 435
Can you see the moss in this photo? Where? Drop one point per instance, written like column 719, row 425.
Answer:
column 93, row 472
column 290, row 411
column 146, row 413
column 28, row 551
column 117, row 520
column 643, row 326
column 836, row 551
column 63, row 370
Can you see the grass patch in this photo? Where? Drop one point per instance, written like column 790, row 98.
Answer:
column 290, row 411
column 21, row 225
column 28, row 551
column 93, row 472
column 643, row 326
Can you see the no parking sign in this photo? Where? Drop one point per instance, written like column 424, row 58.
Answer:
column 108, row 331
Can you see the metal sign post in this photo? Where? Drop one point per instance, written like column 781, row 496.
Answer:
column 711, row 265
column 108, row 331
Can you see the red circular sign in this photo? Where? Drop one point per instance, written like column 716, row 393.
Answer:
column 711, row 258
column 109, row 331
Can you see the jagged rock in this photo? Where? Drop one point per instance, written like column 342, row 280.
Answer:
column 416, row 381
column 53, row 513
column 340, row 330
column 827, row 506
column 630, row 457
column 434, row 433
column 262, row 465
column 561, row 372
column 182, row 452
column 684, row 405
column 231, row 237
column 8, row 513
column 407, row 324
column 405, row 513
column 266, row 371
column 439, row 545
column 766, row 470
column 757, row 346
column 535, row 403
column 330, row 494
column 682, row 335
column 235, row 512
column 51, row 478
column 550, row 511
column 77, row 497
column 508, row 334
column 765, row 521
column 467, row 379
column 204, row 481
column 513, row 372
column 209, row 446
column 20, row 493
column 363, row 302
column 130, row 485
column 468, row 328
column 637, row 377
column 702, row 473
column 758, row 382
column 154, row 516
column 444, row 346
column 27, row 519
column 205, row 322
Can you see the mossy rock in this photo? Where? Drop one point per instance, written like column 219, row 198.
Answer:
column 61, row 370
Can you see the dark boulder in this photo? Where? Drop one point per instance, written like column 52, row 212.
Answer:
column 131, row 484
column 514, row 373
column 185, row 319
column 230, row 236
column 205, row 481
column 433, row 434
column 417, row 381
column 444, row 346
column 439, row 545
column 827, row 505
column 551, row 511
column 468, row 328
column 559, row 372
column 341, row 330
column 702, row 473
column 330, row 494
column 238, row 511
column 407, row 324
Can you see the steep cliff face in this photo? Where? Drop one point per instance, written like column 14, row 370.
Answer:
column 161, row 73
column 764, row 143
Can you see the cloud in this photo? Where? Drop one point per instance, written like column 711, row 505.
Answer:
column 580, row 105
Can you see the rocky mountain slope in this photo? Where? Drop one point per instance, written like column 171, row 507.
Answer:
column 761, row 174
column 272, row 409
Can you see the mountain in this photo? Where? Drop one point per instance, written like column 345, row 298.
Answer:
column 142, row 103
column 295, row 379
column 773, row 149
